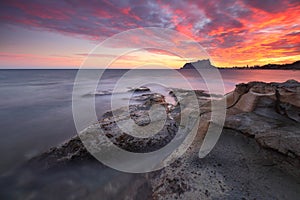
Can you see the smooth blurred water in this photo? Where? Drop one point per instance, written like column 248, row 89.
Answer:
column 36, row 105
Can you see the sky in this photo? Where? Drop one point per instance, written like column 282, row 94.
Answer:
column 62, row 33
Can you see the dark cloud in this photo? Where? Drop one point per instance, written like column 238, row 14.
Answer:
column 296, row 33
column 271, row 6
column 225, row 40
column 223, row 15
column 283, row 44
column 93, row 19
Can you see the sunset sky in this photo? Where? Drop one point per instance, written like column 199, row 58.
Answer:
column 59, row 34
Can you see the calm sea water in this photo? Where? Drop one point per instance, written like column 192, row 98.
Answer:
column 36, row 105
column 36, row 114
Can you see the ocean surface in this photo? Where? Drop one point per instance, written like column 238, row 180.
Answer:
column 36, row 105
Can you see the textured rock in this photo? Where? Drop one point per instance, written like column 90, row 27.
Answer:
column 246, row 97
column 269, row 112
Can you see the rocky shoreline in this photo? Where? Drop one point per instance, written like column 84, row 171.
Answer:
column 257, row 156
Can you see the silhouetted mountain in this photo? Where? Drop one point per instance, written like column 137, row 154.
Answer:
column 294, row 66
column 199, row 63
column 207, row 64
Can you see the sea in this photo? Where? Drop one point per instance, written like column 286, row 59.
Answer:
column 36, row 105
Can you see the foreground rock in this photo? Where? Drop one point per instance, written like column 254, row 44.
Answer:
column 257, row 156
column 270, row 113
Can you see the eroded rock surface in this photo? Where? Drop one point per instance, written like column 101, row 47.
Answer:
column 269, row 112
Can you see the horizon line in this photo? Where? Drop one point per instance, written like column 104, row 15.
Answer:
column 97, row 68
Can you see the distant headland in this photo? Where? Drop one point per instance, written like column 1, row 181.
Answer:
column 206, row 64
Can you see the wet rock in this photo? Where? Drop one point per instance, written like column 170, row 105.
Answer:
column 70, row 151
column 139, row 114
column 139, row 89
column 150, row 98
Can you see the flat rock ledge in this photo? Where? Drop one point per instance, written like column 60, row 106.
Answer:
column 257, row 156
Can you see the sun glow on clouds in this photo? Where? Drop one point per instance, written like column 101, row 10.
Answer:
column 146, row 59
column 233, row 32
column 136, row 59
